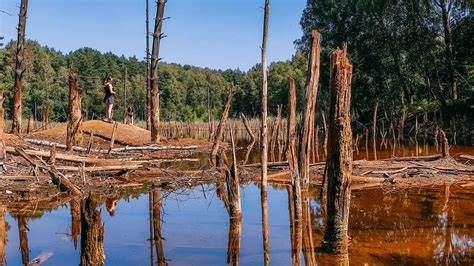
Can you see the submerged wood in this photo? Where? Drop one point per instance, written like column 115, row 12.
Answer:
column 311, row 92
column 92, row 234
column 339, row 161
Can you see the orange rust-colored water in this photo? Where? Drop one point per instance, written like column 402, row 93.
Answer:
column 410, row 227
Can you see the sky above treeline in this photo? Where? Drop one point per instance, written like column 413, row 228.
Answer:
column 218, row 34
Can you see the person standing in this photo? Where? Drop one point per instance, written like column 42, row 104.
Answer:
column 109, row 99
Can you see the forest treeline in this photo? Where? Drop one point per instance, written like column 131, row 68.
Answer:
column 407, row 55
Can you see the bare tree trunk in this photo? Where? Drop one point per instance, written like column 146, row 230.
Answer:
column 92, row 234
column 325, row 140
column 339, row 161
column 275, row 133
column 154, row 90
column 2, row 113
column 311, row 91
column 232, row 181
column 446, row 13
column 263, row 138
column 374, row 130
column 31, row 124
column 444, row 144
column 291, row 118
column 221, row 127
column 247, row 127
column 147, row 22
column 19, row 53
column 74, row 134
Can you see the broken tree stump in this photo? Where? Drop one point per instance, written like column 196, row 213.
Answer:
column 31, row 124
column 339, row 162
column 74, row 134
column 444, row 144
column 52, row 155
column 311, row 91
column 221, row 127
column 112, row 137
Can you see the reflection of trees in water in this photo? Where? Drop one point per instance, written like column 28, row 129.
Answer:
column 157, row 236
column 75, row 208
column 23, row 232
column 3, row 235
column 92, row 234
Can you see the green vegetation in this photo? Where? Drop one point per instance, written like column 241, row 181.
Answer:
column 398, row 48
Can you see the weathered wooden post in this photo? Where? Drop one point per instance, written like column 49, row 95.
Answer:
column 92, row 234
column 339, row 161
column 19, row 69
column 154, row 89
column 74, row 134
column 221, row 127
column 311, row 91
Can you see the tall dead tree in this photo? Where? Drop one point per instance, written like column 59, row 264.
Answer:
column 339, row 162
column 2, row 113
column 221, row 127
column 247, row 127
column 291, row 117
column 92, row 234
column 74, row 134
column 154, row 90
column 19, row 69
column 147, row 57
column 264, row 137
column 311, row 91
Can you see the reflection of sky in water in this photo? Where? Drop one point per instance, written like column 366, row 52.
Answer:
column 403, row 225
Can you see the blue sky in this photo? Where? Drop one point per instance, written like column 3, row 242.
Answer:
column 208, row 33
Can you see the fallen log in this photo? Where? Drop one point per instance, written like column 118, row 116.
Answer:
column 96, row 168
column 58, row 179
column 152, row 147
column 73, row 158
column 415, row 158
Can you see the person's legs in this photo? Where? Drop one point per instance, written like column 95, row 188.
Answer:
column 106, row 108
column 109, row 112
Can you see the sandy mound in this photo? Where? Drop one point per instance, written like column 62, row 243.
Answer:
column 125, row 135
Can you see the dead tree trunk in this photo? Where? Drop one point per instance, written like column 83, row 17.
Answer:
column 19, row 69
column 339, row 161
column 74, row 134
column 45, row 117
column 92, row 234
column 232, row 181
column 2, row 113
column 147, row 57
column 263, row 138
column 31, row 124
column 307, row 126
column 275, row 133
column 325, row 140
column 444, row 144
column 291, row 118
column 154, row 90
column 221, row 127
column 247, row 127
column 374, row 130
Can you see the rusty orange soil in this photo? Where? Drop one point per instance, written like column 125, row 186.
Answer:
column 125, row 135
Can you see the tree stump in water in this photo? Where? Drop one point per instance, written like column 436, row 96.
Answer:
column 339, row 161
column 311, row 91
column 92, row 234
column 74, row 134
